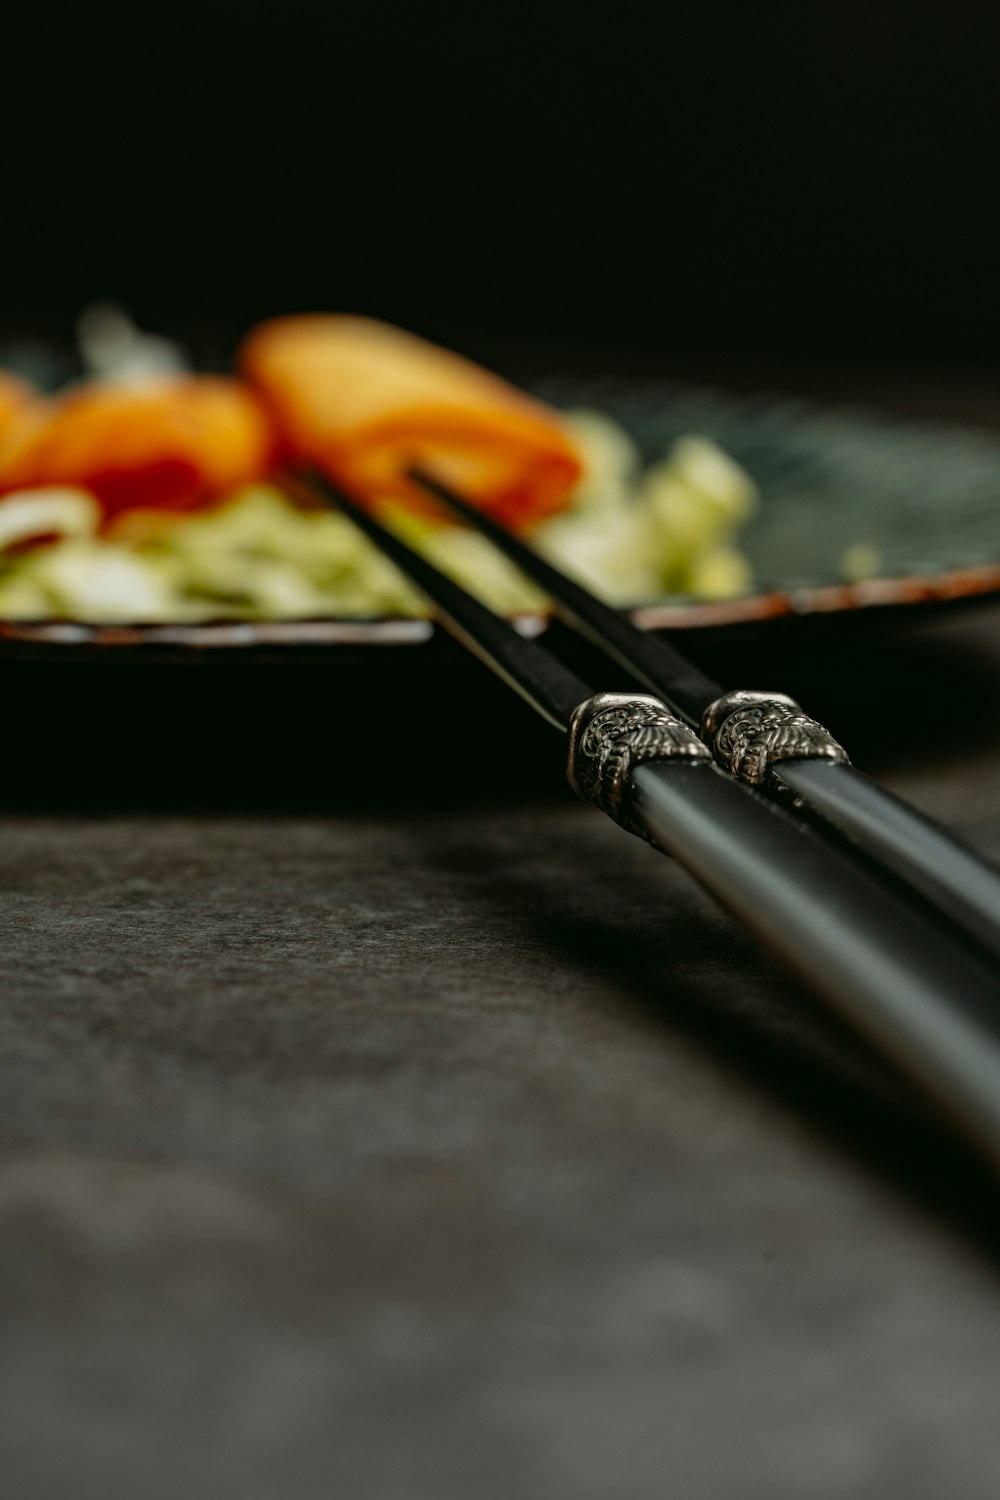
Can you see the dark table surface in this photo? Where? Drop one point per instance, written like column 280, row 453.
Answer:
column 433, row 1146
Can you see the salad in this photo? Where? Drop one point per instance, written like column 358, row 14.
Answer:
column 146, row 493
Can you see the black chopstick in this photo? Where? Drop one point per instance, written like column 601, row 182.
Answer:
column 874, row 952
column 820, row 783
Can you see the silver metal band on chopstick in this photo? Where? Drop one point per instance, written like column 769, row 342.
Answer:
column 610, row 735
column 750, row 733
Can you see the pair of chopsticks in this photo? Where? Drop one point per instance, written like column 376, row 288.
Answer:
column 826, row 784
column 884, row 916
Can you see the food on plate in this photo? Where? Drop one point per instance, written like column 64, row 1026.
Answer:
column 37, row 515
column 148, row 495
column 366, row 402
column 172, row 443
column 257, row 555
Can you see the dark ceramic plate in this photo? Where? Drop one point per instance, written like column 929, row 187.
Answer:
column 927, row 498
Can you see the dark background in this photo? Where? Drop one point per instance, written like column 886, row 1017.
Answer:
column 788, row 179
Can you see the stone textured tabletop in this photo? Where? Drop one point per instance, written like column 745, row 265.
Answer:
column 434, row 1148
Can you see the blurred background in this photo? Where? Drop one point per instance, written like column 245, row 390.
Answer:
column 778, row 180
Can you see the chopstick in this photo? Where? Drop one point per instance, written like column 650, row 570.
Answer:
column 879, row 956
column 788, row 753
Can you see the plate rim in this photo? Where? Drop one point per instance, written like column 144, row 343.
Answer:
column 950, row 586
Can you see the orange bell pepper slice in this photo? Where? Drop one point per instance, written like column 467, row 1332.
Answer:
column 365, row 402
column 173, row 444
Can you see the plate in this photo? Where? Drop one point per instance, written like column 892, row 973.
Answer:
column 925, row 498
column 388, row 713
